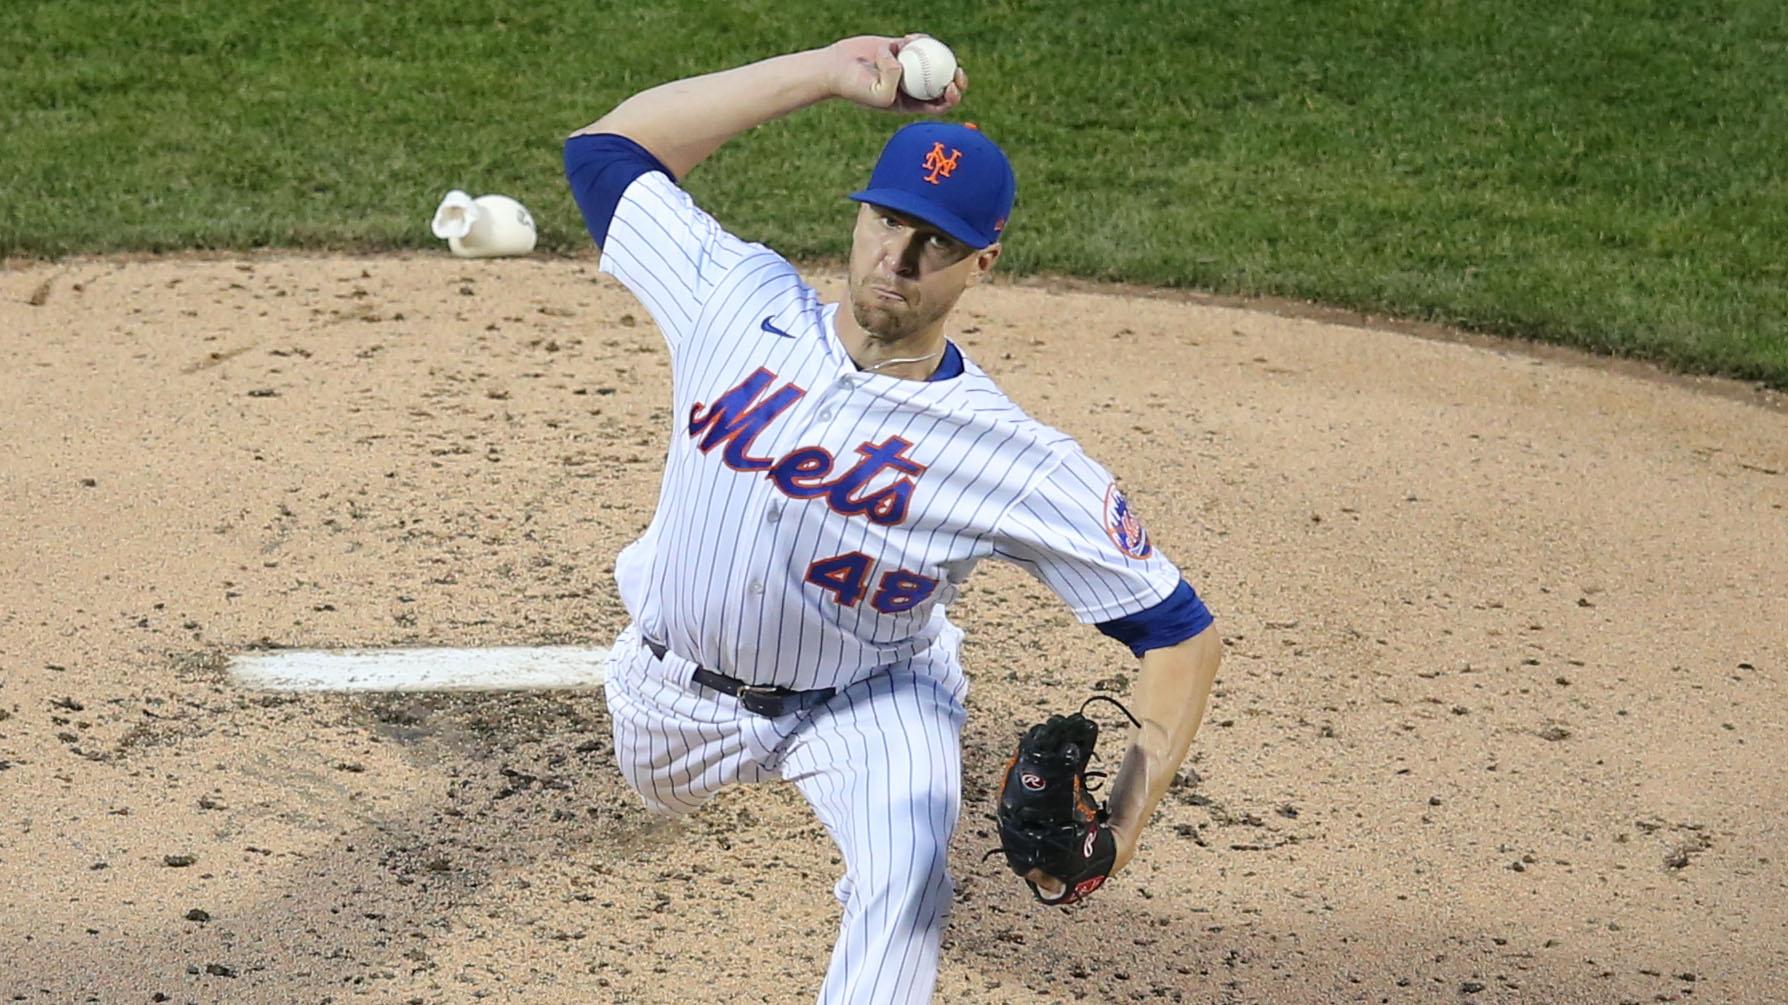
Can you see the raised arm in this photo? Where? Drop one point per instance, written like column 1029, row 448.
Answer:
column 684, row 121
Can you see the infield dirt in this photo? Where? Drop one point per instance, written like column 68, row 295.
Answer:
column 1501, row 718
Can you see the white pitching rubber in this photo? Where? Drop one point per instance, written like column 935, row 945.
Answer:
column 513, row 668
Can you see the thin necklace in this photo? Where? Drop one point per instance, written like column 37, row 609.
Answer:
column 908, row 359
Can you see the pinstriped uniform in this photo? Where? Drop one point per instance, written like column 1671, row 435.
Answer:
column 813, row 524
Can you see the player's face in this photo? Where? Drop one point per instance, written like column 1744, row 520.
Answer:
column 907, row 274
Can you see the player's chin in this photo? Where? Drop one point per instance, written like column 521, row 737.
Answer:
column 883, row 320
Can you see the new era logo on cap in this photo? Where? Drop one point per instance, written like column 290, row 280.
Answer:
column 949, row 175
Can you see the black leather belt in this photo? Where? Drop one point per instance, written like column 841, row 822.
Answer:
column 768, row 702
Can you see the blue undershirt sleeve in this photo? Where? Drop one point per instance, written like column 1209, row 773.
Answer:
column 599, row 167
column 1170, row 622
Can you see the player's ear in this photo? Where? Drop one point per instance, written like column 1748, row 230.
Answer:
column 984, row 260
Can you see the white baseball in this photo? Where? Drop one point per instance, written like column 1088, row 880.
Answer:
column 926, row 67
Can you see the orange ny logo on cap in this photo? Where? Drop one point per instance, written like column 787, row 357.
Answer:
column 938, row 164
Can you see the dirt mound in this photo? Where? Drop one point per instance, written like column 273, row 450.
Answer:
column 1506, row 643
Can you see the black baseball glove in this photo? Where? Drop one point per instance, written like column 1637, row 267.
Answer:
column 1048, row 819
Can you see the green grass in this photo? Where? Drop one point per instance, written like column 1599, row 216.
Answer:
column 1609, row 174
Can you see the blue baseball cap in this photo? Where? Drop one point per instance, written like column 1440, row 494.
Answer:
column 948, row 175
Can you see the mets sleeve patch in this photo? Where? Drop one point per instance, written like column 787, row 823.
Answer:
column 1123, row 527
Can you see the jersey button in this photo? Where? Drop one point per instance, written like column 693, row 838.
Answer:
column 756, row 588
column 825, row 415
column 774, row 515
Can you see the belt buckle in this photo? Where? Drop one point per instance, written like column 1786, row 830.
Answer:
column 765, row 701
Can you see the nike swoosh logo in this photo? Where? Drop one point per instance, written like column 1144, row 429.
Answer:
column 772, row 329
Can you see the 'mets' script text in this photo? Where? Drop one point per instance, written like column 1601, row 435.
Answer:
column 735, row 419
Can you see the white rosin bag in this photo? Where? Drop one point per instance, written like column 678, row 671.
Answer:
column 489, row 226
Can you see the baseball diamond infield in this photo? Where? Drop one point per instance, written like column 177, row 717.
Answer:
column 1506, row 639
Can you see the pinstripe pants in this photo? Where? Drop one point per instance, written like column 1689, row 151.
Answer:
column 880, row 763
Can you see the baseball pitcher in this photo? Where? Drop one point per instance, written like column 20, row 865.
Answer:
column 835, row 472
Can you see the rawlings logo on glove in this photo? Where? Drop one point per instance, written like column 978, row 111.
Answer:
column 1049, row 821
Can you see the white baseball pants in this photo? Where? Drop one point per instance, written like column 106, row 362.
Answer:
column 880, row 763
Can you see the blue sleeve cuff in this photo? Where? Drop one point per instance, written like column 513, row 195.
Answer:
column 599, row 167
column 1170, row 622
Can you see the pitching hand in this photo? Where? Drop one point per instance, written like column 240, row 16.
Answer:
column 867, row 70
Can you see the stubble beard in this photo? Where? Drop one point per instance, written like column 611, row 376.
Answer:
column 883, row 323
column 877, row 322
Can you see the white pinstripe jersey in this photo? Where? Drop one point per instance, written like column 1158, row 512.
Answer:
column 815, row 521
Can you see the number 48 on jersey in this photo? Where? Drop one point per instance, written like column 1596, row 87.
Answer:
column 847, row 578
